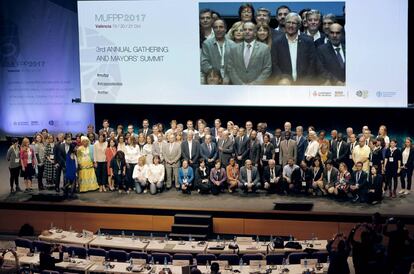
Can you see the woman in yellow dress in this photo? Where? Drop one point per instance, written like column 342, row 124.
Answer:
column 87, row 177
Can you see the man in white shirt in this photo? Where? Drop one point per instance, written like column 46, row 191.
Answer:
column 312, row 148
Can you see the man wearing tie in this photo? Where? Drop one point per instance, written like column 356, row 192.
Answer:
column 60, row 159
column 241, row 147
column 190, row 150
column 250, row 62
column 106, row 130
column 225, row 148
column 332, row 56
column 272, row 178
column 276, row 144
column 208, row 151
column 215, row 131
column 254, row 149
column 249, row 178
column 145, row 128
column 288, row 149
column 359, row 179
column 171, row 153
column 340, row 151
column 301, row 144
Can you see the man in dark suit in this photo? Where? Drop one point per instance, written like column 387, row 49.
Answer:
column 332, row 57
column 272, row 178
column 249, row 178
column 225, row 148
column 106, row 130
column 276, row 140
column 297, row 49
column 330, row 178
column 208, row 151
column 340, row 151
column 190, row 150
column 301, row 144
column 215, row 130
column 59, row 151
column 313, row 19
column 359, row 180
column 302, row 179
column 254, row 149
column 145, row 128
column 241, row 147
column 249, row 62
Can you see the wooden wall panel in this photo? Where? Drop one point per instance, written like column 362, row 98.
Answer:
column 162, row 223
column 300, row 229
column 92, row 221
column 12, row 220
column 228, row 225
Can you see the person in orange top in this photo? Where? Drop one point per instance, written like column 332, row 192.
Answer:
column 28, row 162
column 233, row 175
column 110, row 153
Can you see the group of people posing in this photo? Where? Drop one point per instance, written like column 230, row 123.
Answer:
column 358, row 167
column 306, row 48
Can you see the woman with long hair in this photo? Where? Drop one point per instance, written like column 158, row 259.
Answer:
column 28, row 163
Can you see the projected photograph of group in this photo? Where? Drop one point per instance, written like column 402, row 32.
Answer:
column 272, row 43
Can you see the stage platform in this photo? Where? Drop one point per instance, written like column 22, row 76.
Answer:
column 234, row 213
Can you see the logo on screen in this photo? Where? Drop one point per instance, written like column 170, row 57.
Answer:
column 362, row 93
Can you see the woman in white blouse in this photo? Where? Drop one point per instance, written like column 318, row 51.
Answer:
column 147, row 149
column 155, row 175
column 140, row 175
column 382, row 132
column 407, row 164
column 131, row 158
column 121, row 144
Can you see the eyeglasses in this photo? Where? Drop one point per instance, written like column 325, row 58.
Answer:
column 291, row 23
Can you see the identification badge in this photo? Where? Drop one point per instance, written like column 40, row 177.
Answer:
column 52, row 157
column 277, row 150
column 350, row 157
column 391, row 159
column 16, row 160
column 264, row 157
column 119, row 172
column 303, row 183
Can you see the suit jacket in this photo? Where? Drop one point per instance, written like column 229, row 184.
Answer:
column 241, row 148
column 307, row 65
column 195, row 151
column 363, row 179
column 297, row 176
column 288, row 148
column 211, row 57
column 268, row 151
column 157, row 149
column 254, row 152
column 227, row 152
column 375, row 183
column 301, row 148
column 59, row 153
column 149, row 131
column 171, row 156
column 255, row 176
column 334, row 176
column 206, row 154
column 410, row 161
column 266, row 173
column 331, row 68
column 258, row 69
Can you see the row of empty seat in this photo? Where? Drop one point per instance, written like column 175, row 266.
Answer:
column 159, row 257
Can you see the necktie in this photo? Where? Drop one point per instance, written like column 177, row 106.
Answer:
column 358, row 176
column 247, row 54
column 339, row 57
column 337, row 149
column 209, row 148
column 272, row 173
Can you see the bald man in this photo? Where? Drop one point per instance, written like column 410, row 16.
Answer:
column 332, row 56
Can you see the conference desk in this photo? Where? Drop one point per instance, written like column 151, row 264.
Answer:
column 118, row 267
column 67, row 237
column 262, row 247
column 192, row 247
column 24, row 259
column 75, row 264
column 117, row 242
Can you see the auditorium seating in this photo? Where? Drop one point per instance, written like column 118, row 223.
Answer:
column 79, row 252
column 249, row 257
column 139, row 255
column 274, row 259
column 25, row 243
column 232, row 259
column 295, row 257
column 202, row 259
column 97, row 252
column 183, row 256
column 117, row 255
column 159, row 257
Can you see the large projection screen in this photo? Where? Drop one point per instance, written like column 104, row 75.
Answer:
column 148, row 52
